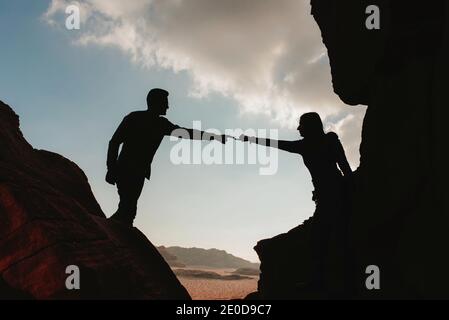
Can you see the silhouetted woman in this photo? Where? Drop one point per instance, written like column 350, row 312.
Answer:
column 325, row 158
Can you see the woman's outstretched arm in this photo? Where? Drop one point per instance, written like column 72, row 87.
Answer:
column 290, row 146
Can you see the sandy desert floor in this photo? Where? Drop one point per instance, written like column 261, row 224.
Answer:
column 211, row 289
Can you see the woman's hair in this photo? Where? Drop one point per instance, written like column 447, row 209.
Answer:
column 311, row 124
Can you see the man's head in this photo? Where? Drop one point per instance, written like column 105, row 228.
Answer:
column 310, row 125
column 157, row 101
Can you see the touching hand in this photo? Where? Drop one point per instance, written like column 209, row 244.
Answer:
column 222, row 138
column 247, row 138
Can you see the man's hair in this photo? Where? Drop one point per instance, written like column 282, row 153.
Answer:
column 155, row 96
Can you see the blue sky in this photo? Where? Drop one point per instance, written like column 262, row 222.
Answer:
column 71, row 96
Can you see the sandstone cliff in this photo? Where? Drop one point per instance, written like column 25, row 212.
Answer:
column 400, row 209
column 49, row 219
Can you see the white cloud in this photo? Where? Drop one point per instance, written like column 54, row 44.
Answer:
column 349, row 129
column 265, row 54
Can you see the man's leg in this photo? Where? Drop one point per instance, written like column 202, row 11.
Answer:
column 129, row 189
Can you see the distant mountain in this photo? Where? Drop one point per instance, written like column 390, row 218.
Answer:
column 212, row 258
column 171, row 259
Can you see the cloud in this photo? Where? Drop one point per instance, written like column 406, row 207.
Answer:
column 265, row 54
column 349, row 129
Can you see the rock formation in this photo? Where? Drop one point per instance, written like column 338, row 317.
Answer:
column 400, row 213
column 49, row 219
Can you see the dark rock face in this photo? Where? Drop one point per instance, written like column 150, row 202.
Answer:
column 284, row 263
column 400, row 213
column 50, row 220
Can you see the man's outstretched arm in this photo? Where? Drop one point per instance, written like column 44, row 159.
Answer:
column 193, row 134
column 290, row 146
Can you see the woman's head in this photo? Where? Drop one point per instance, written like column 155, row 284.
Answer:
column 310, row 125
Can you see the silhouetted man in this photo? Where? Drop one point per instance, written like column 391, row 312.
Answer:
column 141, row 133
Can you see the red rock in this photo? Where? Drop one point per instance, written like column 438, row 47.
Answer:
column 50, row 219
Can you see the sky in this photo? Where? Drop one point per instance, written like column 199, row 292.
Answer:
column 255, row 64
